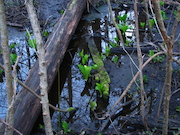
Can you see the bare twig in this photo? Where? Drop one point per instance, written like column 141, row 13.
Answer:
column 10, row 127
column 148, row 20
column 140, row 60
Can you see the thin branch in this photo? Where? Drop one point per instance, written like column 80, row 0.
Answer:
column 175, row 23
column 11, row 127
column 140, row 60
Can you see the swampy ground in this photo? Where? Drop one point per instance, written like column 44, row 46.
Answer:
column 77, row 92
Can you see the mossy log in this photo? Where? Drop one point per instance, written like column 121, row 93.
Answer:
column 27, row 106
column 101, row 76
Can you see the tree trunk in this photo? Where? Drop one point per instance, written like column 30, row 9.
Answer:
column 27, row 106
column 42, row 66
column 7, row 68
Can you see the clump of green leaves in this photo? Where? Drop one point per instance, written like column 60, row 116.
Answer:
column 93, row 105
column 113, row 44
column 145, row 79
column 163, row 15
column 85, row 70
column 123, row 26
column 152, row 23
column 161, row 3
column 157, row 58
column 45, row 33
column 103, row 89
column 142, row 24
column 62, row 11
column 177, row 133
column 122, row 18
column 84, row 57
column 70, row 109
column 178, row 108
column 40, row 126
column 1, row 70
column 115, row 58
column 107, row 51
column 65, row 127
column 13, row 45
column 13, row 58
column 95, row 66
column 31, row 40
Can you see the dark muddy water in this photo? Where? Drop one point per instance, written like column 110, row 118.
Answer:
column 77, row 92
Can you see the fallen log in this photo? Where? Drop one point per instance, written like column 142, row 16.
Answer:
column 101, row 76
column 27, row 106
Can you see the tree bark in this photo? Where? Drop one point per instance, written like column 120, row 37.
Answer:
column 42, row 67
column 27, row 106
column 169, row 45
column 7, row 68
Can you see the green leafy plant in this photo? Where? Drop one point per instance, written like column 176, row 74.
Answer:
column 101, row 56
column 116, row 39
column 65, row 127
column 1, row 71
column 13, row 58
column 107, row 51
column 163, row 15
column 40, row 126
column 93, row 105
column 62, row 11
column 122, row 18
column 31, row 40
column 151, row 132
column 161, row 3
column 152, row 22
column 85, row 70
column 13, row 45
column 175, row 12
column 157, row 58
column 113, row 44
column 95, row 66
column 142, row 24
column 124, row 27
column 70, row 109
column 84, row 57
column 81, row 53
column 145, row 79
column 102, row 89
column 127, row 42
column 115, row 59
column 45, row 33
column 178, row 108
column 177, row 133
